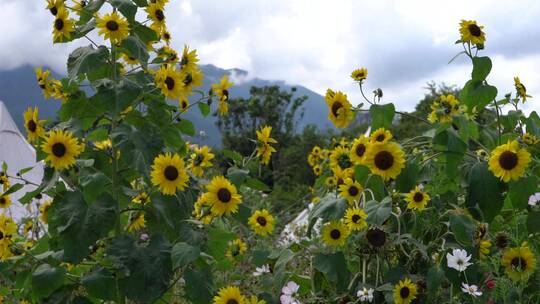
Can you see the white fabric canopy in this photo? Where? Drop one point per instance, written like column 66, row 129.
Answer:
column 18, row 154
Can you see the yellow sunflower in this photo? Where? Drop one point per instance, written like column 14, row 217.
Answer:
column 166, row 36
column 530, row 139
column 191, row 78
column 223, row 196
column 385, row 159
column 358, row 150
column 381, row 135
column 340, row 158
column 44, row 211
column 5, row 201
column 7, row 229
column 136, row 222
column 521, row 89
column 509, row 161
column 157, row 16
column 63, row 26
column 202, row 209
column 229, row 295
column 201, row 158
column 355, row 218
column 471, row 32
column 4, row 181
column 340, row 112
column 351, row 190
column 359, row 74
column 79, row 5
column 262, row 222
column 183, row 104
column 169, row 173
column 316, row 151
column 330, row 181
column 417, row 199
column 236, row 249
column 62, row 149
column 484, row 246
column 335, row 233
column 44, row 82
column 54, row 6
column 168, row 54
column 317, row 170
column 342, row 174
column 221, row 90
column 169, row 81
column 519, row 263
column 32, row 124
column 130, row 60
column 444, row 109
column 264, row 144
column 142, row 198
column 255, row 300
column 189, row 59
column 405, row 292
column 112, row 26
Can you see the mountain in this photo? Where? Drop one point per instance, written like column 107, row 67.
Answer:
column 19, row 90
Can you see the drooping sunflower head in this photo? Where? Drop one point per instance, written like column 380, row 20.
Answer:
column 229, row 295
column 355, row 218
column 191, row 78
column 5, row 201
column 417, row 199
column 169, row 173
column 136, row 222
column 262, row 222
column 157, row 16
column 519, row 263
column 530, row 139
column 339, row 109
column 223, row 196
column 32, row 124
column 351, row 190
column 359, row 74
column 335, row 233
column 509, row 161
column 472, row 32
column 381, row 135
column 483, row 249
column 201, row 158
column 521, row 89
column 340, row 158
column 62, row 149
column 385, row 159
column 169, row 81
column 62, row 26
column 405, row 292
column 112, row 26
column 236, row 249
column 44, row 211
column 376, row 237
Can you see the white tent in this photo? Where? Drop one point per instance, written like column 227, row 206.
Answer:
column 18, row 154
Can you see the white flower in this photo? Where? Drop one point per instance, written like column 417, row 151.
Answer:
column 261, row 270
column 534, row 199
column 365, row 295
column 458, row 259
column 288, row 292
column 471, row 289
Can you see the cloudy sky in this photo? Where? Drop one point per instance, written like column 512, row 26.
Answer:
column 404, row 44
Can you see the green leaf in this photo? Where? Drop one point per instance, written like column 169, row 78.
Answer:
column 477, row 94
column 256, row 184
column 199, row 285
column 86, row 59
column 134, row 47
column 484, row 191
column 141, row 3
column 237, row 176
column 93, row 185
column 521, row 189
column 463, row 228
column 329, row 208
column 481, row 68
column 361, row 173
column 382, row 116
column 182, row 254
column 376, row 184
column 25, row 170
column 218, row 242
column 235, row 156
column 13, row 189
column 126, row 7
column 204, row 108
column 145, row 33
column 187, row 127
column 407, row 179
column 89, row 10
column 377, row 212
column 533, row 222
column 101, row 284
column 334, row 267
column 435, row 277
column 46, row 279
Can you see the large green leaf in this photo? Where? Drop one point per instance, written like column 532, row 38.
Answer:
column 435, row 277
column 101, row 284
column 86, row 59
column 481, row 68
column 476, row 94
column 183, row 253
column 377, row 212
column 334, row 267
column 199, row 284
column 218, row 242
column 521, row 190
column 329, row 208
column 533, row 222
column 484, row 191
column 407, row 179
column 134, row 47
column 382, row 116
column 46, row 279
column 463, row 228
column 126, row 7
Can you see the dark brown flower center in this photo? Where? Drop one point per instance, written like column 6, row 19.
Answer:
column 159, row 15
column 355, row 218
column 335, row 107
column 169, row 81
column 31, row 125
column 59, row 149
column 335, row 234
column 112, row 25
column 418, row 197
column 404, row 292
column 166, row 36
column 475, row 30
column 360, row 150
column 353, row 191
column 1, row 235
column 232, row 301
column 171, row 173
column 224, row 195
column 3, row 201
column 58, row 24
column 344, row 161
column 261, row 220
column 384, row 160
column 519, row 263
column 508, row 160
column 184, row 105
column 54, row 10
column 380, row 138
column 224, row 95
column 188, row 79
column 376, row 237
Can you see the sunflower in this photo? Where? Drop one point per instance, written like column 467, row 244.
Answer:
column 157, row 16
column 519, row 263
column 255, row 300
column 521, row 89
column 32, row 124
column 342, row 174
column 340, row 158
column 183, row 104
column 112, row 26
column 191, row 78
column 262, row 222
column 444, row 109
column 61, row 148
column 136, row 222
column 142, row 198
column 189, row 59
column 130, row 60
column 229, row 295
column 79, row 5
column 385, row 159
column 335, row 233
column 223, row 196
column 508, row 161
column 358, row 150
column 63, row 26
column 316, row 151
column 484, row 246
column 340, row 112
column 201, row 209
column 359, row 74
column 236, row 248
column 221, row 90
column 4, row 181
column 54, row 6
column 381, row 135
column 44, row 82
column 103, row 145
column 482, row 154
column 330, row 181
column 169, row 81
column 416, row 199
column 7, row 229
column 529, row 139
column 169, row 173
column 355, row 218
column 264, row 144
column 317, row 170
column 44, row 211
column 471, row 32
column 351, row 190
column 405, row 291
column 166, row 36
column 200, row 159
column 168, row 54
column 376, row 237
column 5, row 201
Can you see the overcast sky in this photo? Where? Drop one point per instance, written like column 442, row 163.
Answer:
column 404, row 44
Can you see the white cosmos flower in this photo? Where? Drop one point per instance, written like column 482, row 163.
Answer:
column 534, row 199
column 288, row 292
column 458, row 259
column 471, row 289
column 261, row 270
column 365, row 295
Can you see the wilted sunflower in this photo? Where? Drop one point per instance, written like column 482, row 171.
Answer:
column 223, row 196
column 264, row 144
column 381, row 135
column 169, row 81
column 44, row 211
column 530, row 139
column 63, row 26
column 229, row 295
column 519, row 263
column 141, row 198
column 112, row 26
column 32, row 124
column 169, row 173
column 405, row 292
column 386, row 160
column 417, row 199
column 471, row 32
column 509, row 161
column 5, row 201
column 201, row 158
column 157, row 16
column 189, row 59
column 54, row 6
column 340, row 158
column 340, row 112
column 136, row 222
column 221, row 90
column 351, row 190
column 236, row 248
column 355, row 218
column 521, row 89
column 335, row 233
column 444, row 109
column 262, row 222
column 376, row 237
column 191, row 79
column 7, row 229
column 62, row 149
column 359, row 74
